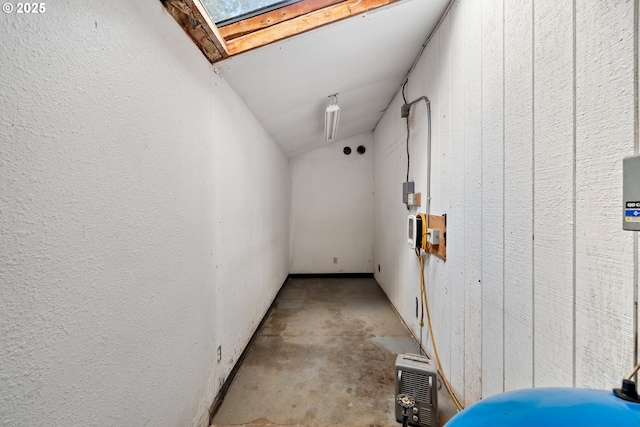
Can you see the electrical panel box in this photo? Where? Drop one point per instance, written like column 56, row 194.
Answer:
column 417, row 376
column 631, row 193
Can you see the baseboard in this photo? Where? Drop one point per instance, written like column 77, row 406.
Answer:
column 331, row 276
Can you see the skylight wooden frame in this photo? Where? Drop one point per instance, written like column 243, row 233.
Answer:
column 277, row 4
column 218, row 44
column 274, row 17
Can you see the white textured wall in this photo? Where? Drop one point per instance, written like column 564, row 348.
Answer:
column 143, row 219
column 331, row 209
column 533, row 111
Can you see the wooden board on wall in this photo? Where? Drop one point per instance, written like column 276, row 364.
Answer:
column 439, row 223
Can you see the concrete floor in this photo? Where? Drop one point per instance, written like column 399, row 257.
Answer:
column 325, row 356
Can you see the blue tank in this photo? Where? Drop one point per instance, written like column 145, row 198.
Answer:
column 550, row 407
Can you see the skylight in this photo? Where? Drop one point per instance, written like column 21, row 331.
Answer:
column 224, row 12
column 224, row 28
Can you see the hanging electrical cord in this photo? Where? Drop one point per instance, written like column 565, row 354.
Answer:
column 417, row 251
column 404, row 112
column 423, row 296
column 408, row 133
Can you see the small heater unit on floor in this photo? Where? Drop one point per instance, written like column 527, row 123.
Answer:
column 416, row 376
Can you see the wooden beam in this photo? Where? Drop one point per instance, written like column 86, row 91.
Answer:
column 202, row 16
column 274, row 17
column 195, row 21
column 303, row 23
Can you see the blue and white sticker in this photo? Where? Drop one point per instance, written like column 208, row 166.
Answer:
column 632, row 212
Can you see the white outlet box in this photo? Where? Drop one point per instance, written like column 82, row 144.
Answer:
column 433, row 236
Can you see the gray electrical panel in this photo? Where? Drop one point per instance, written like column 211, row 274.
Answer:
column 407, row 188
column 631, row 193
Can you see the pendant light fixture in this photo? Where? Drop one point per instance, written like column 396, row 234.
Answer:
column 331, row 118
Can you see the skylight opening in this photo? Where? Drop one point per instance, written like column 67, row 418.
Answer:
column 225, row 12
column 224, row 28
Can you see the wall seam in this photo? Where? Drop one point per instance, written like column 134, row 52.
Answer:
column 636, row 45
column 482, row 284
column 533, row 193
column 464, row 186
column 504, row 166
column 636, row 150
column 447, row 123
column 575, row 246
